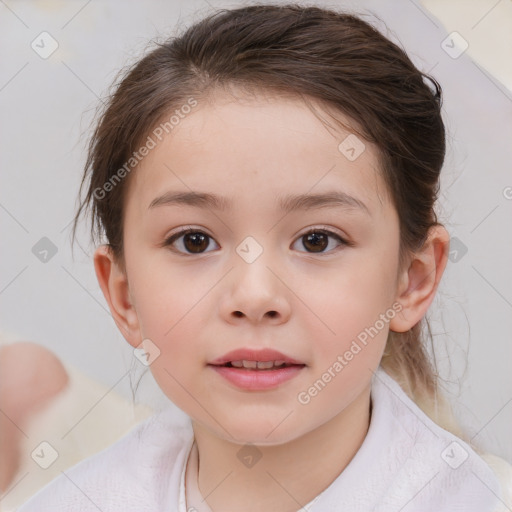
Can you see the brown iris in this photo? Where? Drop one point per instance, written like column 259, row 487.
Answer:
column 195, row 242
column 316, row 241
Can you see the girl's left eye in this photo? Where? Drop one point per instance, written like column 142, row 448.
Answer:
column 194, row 241
column 317, row 240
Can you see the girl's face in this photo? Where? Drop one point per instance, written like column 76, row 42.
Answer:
column 255, row 176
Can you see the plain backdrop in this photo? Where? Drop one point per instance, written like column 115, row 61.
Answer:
column 46, row 109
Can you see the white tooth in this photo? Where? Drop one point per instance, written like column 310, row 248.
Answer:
column 265, row 365
column 237, row 364
column 249, row 364
column 279, row 362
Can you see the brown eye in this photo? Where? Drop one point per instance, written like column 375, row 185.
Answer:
column 318, row 240
column 189, row 242
column 195, row 242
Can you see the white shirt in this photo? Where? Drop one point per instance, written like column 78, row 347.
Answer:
column 406, row 463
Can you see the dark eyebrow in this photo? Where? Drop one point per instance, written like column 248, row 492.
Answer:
column 197, row 199
column 326, row 200
column 287, row 203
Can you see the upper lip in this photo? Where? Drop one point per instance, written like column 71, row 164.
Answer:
column 248, row 354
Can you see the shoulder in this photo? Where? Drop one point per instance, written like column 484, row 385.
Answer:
column 449, row 472
column 125, row 476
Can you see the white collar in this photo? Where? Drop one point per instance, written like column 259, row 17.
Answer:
column 406, row 462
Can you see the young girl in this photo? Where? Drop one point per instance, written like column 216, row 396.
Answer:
column 266, row 185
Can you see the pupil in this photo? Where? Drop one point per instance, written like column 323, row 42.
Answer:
column 198, row 242
column 317, row 240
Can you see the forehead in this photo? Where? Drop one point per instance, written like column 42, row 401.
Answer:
column 252, row 147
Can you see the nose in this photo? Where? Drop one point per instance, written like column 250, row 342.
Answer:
column 256, row 293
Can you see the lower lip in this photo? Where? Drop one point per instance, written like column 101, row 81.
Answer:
column 257, row 380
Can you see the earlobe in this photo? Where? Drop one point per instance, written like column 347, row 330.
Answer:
column 419, row 282
column 114, row 285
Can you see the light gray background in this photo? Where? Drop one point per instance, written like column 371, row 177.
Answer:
column 46, row 110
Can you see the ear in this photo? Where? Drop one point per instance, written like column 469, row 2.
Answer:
column 114, row 285
column 418, row 282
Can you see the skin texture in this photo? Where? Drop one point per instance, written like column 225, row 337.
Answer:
column 30, row 377
column 308, row 305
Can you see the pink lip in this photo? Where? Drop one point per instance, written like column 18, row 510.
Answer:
column 248, row 354
column 254, row 379
column 257, row 380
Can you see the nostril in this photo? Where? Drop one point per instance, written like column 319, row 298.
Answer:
column 271, row 314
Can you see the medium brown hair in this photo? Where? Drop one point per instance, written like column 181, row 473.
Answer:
column 333, row 58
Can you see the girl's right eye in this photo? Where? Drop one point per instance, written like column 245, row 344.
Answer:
column 193, row 241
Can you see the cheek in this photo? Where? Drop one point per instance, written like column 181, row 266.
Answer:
column 166, row 295
column 348, row 321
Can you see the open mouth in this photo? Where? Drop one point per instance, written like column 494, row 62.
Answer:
column 253, row 375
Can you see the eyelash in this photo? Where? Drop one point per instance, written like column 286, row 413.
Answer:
column 323, row 230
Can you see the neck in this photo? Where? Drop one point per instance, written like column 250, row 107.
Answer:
column 287, row 476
